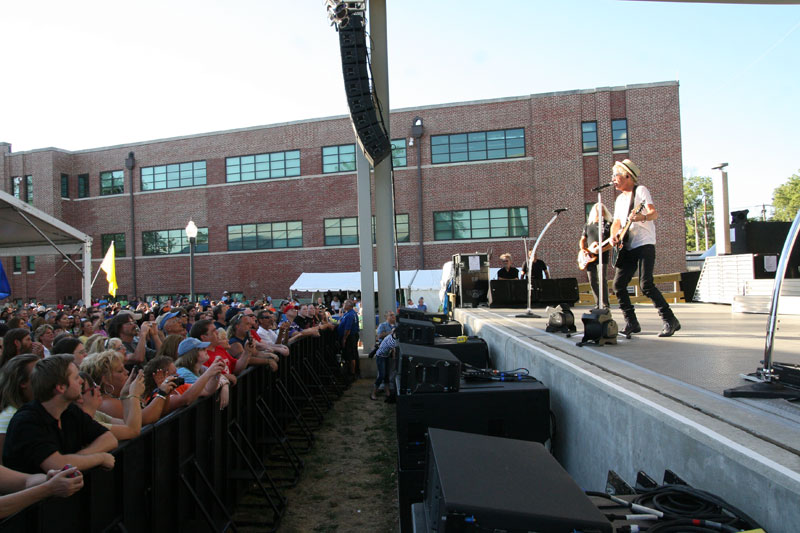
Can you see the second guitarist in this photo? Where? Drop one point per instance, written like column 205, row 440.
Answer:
column 639, row 251
column 589, row 245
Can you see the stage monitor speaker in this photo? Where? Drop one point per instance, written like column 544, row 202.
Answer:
column 483, row 483
column 415, row 331
column 474, row 351
column 518, row 410
column 411, row 313
column 366, row 123
column 451, row 328
column 555, row 291
column 509, row 293
column 425, row 369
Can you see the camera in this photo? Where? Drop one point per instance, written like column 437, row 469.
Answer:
column 178, row 381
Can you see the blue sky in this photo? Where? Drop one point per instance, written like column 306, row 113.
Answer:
column 93, row 73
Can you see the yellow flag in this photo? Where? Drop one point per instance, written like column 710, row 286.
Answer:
column 110, row 269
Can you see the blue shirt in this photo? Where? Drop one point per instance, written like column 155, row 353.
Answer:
column 385, row 328
column 187, row 375
column 349, row 322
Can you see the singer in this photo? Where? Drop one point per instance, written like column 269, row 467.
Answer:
column 638, row 250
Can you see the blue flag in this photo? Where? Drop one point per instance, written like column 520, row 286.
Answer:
column 5, row 287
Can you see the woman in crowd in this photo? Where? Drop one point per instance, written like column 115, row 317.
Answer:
column 92, row 398
column 44, row 335
column 169, row 346
column 192, row 356
column 162, row 370
column 15, row 390
column 107, row 370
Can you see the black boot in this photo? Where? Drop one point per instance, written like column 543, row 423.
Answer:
column 631, row 326
column 671, row 325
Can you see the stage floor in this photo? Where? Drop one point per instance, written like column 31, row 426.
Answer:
column 708, row 355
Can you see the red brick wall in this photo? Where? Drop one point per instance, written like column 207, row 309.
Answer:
column 554, row 173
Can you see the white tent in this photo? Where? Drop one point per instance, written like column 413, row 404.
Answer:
column 25, row 230
column 416, row 284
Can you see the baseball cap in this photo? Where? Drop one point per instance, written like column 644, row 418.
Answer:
column 162, row 320
column 190, row 343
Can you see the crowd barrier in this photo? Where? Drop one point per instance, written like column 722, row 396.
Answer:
column 188, row 471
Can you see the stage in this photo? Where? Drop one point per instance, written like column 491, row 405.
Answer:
column 652, row 403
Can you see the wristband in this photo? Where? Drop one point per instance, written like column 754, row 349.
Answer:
column 161, row 395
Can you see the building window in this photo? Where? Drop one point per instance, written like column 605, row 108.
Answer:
column 172, row 241
column 589, row 136
column 481, row 223
column 478, row 146
column 29, row 189
column 341, row 231
column 266, row 236
column 17, row 264
column 401, row 231
column 399, row 158
column 112, row 182
column 262, row 166
column 64, row 185
column 340, row 158
column 16, row 187
column 83, row 185
column 174, row 176
column 119, row 243
column 619, row 134
column 31, row 264
column 160, row 298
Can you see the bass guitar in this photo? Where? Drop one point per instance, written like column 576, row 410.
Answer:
column 587, row 257
column 618, row 251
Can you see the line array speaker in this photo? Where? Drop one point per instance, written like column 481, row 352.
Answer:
column 370, row 132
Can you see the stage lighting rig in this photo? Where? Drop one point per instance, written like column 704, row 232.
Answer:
column 339, row 12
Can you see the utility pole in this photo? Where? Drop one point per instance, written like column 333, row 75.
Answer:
column 696, row 233
column 705, row 219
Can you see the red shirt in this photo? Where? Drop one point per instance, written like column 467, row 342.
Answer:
column 221, row 352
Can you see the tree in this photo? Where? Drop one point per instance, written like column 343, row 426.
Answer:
column 786, row 199
column 698, row 211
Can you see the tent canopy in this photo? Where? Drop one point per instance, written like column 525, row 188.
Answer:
column 25, row 230
column 351, row 281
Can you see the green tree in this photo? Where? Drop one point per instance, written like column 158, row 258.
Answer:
column 695, row 189
column 786, row 199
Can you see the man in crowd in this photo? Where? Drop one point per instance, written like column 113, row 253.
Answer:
column 172, row 324
column 421, row 304
column 123, row 326
column 52, row 431
column 348, row 338
column 17, row 341
column 205, row 331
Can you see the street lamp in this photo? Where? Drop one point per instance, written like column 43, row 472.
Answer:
column 191, row 232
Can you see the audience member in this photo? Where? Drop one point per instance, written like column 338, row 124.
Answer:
column 44, row 335
column 51, row 431
column 169, row 346
column 130, row 425
column 348, row 338
column 22, row 490
column 192, row 356
column 18, row 341
column 204, row 330
column 71, row 346
column 15, row 389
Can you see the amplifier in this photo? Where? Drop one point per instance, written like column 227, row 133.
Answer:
column 427, row 369
column 483, row 483
column 518, row 410
column 474, row 352
column 452, row 328
column 415, row 331
column 412, row 313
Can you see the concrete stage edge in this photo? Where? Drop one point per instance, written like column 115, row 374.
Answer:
column 612, row 414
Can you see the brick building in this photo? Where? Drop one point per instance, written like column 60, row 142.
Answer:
column 274, row 201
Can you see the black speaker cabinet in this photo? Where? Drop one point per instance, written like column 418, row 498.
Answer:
column 473, row 352
column 509, row 293
column 369, row 130
column 415, row 331
column 483, row 483
column 555, row 291
column 411, row 313
column 519, row 410
column 410, row 486
column 425, row 369
column 451, row 328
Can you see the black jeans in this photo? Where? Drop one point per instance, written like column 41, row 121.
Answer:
column 642, row 259
column 591, row 273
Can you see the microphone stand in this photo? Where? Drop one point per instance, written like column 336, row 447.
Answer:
column 529, row 313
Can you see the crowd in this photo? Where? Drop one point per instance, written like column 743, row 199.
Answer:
column 74, row 382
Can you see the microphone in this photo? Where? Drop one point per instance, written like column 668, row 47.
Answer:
column 559, row 210
column 601, row 187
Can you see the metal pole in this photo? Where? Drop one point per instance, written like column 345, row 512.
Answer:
column 192, row 242
column 384, row 208
column 722, row 222
column 365, row 250
column 705, row 220
column 87, row 273
column 529, row 313
column 130, row 164
column 421, row 219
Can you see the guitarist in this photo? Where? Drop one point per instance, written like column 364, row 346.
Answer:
column 589, row 245
column 639, row 252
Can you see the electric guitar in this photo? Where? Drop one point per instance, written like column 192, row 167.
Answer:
column 587, row 257
column 618, row 251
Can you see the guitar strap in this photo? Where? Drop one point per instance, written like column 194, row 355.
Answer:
column 633, row 198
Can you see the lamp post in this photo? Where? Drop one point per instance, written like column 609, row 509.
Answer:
column 416, row 136
column 191, row 232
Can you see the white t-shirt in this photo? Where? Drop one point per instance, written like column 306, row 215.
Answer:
column 268, row 335
column 640, row 233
